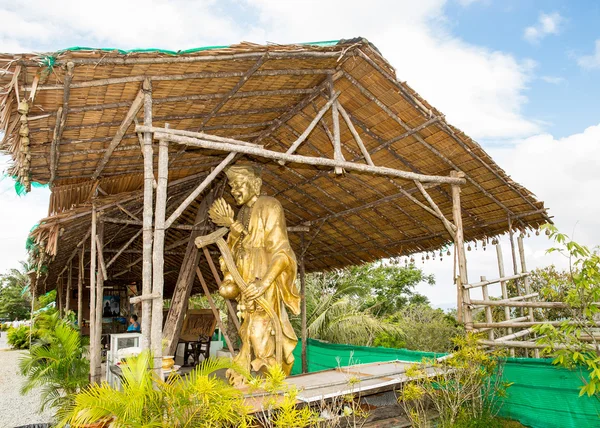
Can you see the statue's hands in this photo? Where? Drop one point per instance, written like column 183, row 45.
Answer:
column 255, row 290
column 237, row 227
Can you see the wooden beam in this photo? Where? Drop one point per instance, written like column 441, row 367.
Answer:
column 185, row 76
column 420, row 139
column 303, row 315
column 494, row 281
column 80, row 290
column 158, row 260
column 185, row 279
column 127, row 121
column 309, row 160
column 140, row 223
column 449, row 226
column 61, row 118
column 215, row 311
column 94, row 348
column 526, row 282
column 335, row 119
column 464, row 313
column 147, row 217
column 124, row 247
column 355, row 134
column 196, row 192
column 69, row 285
column 311, row 126
column 230, row 309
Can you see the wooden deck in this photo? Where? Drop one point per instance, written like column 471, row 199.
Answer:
column 359, row 380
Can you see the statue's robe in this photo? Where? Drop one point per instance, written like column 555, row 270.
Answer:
column 267, row 239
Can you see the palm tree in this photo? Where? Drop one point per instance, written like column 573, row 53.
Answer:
column 200, row 399
column 15, row 297
column 57, row 365
column 334, row 311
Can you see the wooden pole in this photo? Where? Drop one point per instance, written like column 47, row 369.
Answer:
column 303, row 308
column 536, row 352
column 488, row 310
column 158, row 260
column 192, row 196
column 69, row 284
column 459, row 248
column 504, row 289
column 185, row 280
column 335, row 118
column 355, row 134
column 99, row 298
column 215, row 311
column 80, row 289
column 147, row 218
column 308, row 160
column 232, row 317
column 94, row 349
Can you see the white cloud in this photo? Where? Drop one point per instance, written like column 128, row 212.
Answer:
column 554, row 80
column 467, row 3
column 592, row 61
column 547, row 24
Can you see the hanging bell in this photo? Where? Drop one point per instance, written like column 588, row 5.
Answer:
column 448, row 253
column 547, row 232
column 469, row 247
column 412, row 259
column 427, row 257
column 537, row 232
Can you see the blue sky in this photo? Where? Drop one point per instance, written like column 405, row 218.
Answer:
column 571, row 102
column 520, row 77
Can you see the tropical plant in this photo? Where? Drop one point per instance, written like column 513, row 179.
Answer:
column 575, row 342
column 465, row 387
column 200, row 399
column 422, row 328
column 57, row 365
column 19, row 337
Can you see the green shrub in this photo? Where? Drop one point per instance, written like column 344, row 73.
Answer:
column 18, row 337
column 57, row 365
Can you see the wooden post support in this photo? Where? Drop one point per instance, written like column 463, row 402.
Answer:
column 99, row 297
column 303, row 308
column 232, row 312
column 215, row 311
column 459, row 248
column 147, row 217
column 185, row 280
column 488, row 309
column 504, row 289
column 80, row 289
column 158, row 260
column 94, row 352
column 335, row 117
column 536, row 352
column 69, row 284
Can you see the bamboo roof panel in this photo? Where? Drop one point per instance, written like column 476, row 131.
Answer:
column 244, row 91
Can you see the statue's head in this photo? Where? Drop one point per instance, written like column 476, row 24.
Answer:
column 245, row 182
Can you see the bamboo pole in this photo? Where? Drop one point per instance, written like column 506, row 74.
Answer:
column 303, row 307
column 504, row 289
column 158, row 260
column 123, row 248
column 100, row 276
column 494, row 281
column 232, row 312
column 488, row 310
column 459, row 248
column 311, row 126
column 518, row 304
column 355, row 134
column 215, row 311
column 196, row 192
column 526, row 283
column 185, row 281
column 525, row 323
column 69, row 284
column 337, row 144
column 125, row 124
column 451, row 228
column 80, row 290
column 309, row 160
column 94, row 350
column 147, row 217
column 184, row 76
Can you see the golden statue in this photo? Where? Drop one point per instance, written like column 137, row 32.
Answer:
column 265, row 261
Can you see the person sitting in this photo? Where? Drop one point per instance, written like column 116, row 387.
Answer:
column 134, row 325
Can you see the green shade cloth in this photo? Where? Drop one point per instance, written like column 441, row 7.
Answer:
column 542, row 395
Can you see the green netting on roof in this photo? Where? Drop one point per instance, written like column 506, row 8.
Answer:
column 542, row 395
column 20, row 188
column 182, row 52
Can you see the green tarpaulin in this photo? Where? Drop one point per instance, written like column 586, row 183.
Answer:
column 542, row 395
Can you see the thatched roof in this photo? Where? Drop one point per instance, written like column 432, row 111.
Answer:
column 253, row 93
